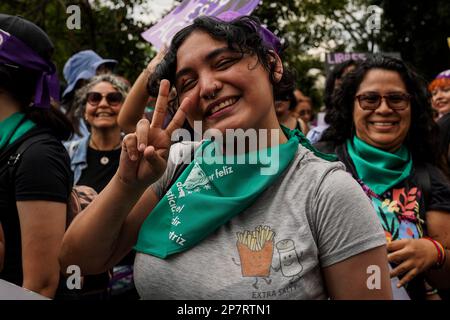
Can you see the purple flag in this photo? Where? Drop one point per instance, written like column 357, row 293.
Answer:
column 183, row 15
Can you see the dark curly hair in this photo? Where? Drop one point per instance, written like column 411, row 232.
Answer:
column 423, row 133
column 242, row 35
column 330, row 83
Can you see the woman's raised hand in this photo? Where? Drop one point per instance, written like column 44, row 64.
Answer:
column 144, row 153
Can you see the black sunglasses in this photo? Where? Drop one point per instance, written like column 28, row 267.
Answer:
column 372, row 101
column 112, row 98
column 305, row 112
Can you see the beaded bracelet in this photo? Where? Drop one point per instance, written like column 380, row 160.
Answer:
column 431, row 292
column 441, row 252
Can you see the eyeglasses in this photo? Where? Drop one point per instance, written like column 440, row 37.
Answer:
column 305, row 112
column 372, row 101
column 112, row 98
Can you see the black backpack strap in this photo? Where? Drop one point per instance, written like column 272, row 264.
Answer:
column 424, row 183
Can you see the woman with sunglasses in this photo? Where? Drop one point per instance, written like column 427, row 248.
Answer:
column 95, row 157
column 381, row 128
column 233, row 231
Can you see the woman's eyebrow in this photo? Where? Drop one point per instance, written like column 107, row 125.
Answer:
column 210, row 56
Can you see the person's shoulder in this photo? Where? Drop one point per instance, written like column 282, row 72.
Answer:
column 307, row 166
column 437, row 176
column 325, row 146
column 44, row 147
column 307, row 156
column 75, row 146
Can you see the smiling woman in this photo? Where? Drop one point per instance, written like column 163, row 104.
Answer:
column 95, row 157
column 381, row 128
column 207, row 230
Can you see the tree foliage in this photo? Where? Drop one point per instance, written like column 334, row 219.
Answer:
column 416, row 29
column 108, row 30
column 311, row 26
column 419, row 31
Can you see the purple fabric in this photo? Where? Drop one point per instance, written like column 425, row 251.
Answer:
column 267, row 36
column 161, row 33
column 14, row 52
column 444, row 75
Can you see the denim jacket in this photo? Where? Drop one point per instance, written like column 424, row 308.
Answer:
column 77, row 150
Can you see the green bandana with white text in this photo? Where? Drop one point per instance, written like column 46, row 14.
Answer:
column 207, row 194
column 380, row 170
column 13, row 127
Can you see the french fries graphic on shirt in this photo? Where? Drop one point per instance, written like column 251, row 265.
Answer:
column 255, row 251
column 256, row 239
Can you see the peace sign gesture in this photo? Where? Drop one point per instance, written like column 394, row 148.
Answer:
column 144, row 153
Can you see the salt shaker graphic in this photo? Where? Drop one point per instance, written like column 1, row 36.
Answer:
column 289, row 261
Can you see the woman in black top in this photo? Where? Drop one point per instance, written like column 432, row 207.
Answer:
column 34, row 190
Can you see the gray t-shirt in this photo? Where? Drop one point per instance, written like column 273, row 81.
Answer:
column 314, row 215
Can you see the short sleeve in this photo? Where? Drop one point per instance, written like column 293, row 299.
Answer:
column 43, row 173
column 345, row 221
column 440, row 190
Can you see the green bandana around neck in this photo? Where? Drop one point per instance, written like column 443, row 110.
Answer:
column 380, row 170
column 13, row 127
column 207, row 195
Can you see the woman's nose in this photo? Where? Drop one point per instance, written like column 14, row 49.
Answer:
column 209, row 88
column 384, row 107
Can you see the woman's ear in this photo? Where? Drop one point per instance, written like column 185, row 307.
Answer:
column 278, row 69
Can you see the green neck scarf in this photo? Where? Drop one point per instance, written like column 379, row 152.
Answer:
column 13, row 127
column 379, row 170
column 208, row 194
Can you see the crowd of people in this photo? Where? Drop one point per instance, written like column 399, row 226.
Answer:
column 364, row 184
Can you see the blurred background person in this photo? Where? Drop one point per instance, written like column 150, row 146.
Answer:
column 440, row 93
column 78, row 69
column 94, row 161
column 440, row 99
column 303, row 109
column 284, row 106
column 332, row 82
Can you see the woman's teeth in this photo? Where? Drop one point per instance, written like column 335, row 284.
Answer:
column 384, row 123
column 223, row 105
column 103, row 114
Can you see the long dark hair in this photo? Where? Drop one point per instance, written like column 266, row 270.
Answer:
column 423, row 133
column 20, row 83
column 242, row 35
column 330, row 83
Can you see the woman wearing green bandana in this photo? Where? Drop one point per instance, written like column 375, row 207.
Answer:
column 34, row 190
column 382, row 129
column 243, row 220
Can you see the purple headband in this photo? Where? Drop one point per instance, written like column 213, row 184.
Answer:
column 444, row 75
column 267, row 36
column 14, row 51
